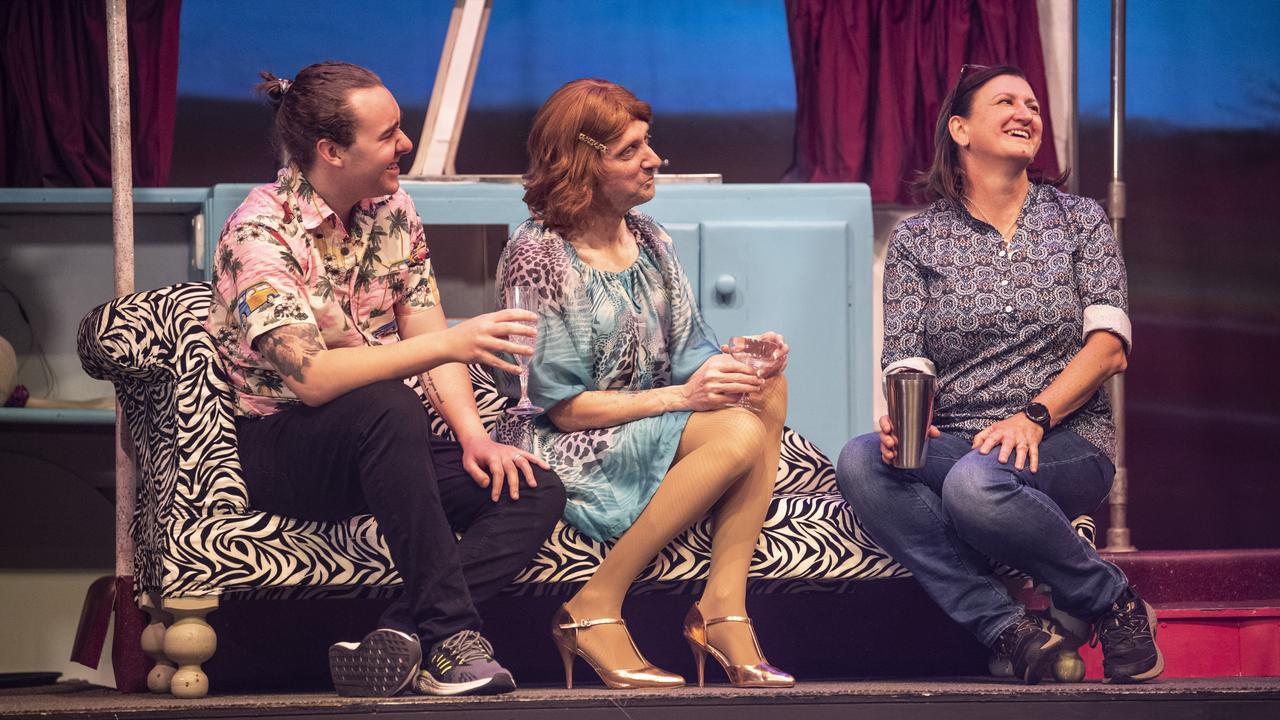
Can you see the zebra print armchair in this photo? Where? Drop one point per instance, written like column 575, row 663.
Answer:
column 197, row 537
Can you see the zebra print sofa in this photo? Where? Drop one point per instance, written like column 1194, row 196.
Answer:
column 197, row 537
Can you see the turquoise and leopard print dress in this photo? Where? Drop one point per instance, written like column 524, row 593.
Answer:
column 631, row 330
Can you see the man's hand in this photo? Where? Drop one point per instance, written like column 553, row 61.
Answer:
column 494, row 465
column 479, row 339
column 1016, row 432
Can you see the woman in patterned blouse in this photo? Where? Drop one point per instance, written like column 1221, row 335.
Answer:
column 1013, row 294
column 641, row 423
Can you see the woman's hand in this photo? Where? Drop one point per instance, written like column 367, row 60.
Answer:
column 719, row 383
column 888, row 442
column 1015, row 433
column 479, row 339
column 779, row 356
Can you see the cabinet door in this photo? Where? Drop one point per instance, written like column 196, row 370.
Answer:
column 687, row 238
column 791, row 277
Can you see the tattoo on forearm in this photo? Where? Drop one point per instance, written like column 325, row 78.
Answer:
column 290, row 348
column 436, row 398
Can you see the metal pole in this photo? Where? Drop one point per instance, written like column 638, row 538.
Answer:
column 1118, row 529
column 1073, row 160
column 122, row 234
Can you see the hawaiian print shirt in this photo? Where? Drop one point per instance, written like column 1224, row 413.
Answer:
column 997, row 325
column 286, row 257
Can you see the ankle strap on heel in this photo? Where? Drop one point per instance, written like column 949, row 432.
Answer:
column 728, row 618
column 582, row 624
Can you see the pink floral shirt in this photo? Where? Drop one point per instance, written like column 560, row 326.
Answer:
column 285, row 257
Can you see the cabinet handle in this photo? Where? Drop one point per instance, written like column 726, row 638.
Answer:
column 726, row 284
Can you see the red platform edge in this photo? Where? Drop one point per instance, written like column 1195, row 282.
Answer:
column 1211, row 642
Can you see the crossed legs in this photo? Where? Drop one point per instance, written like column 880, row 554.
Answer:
column 947, row 521
column 726, row 463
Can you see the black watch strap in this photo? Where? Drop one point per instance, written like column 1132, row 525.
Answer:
column 1038, row 414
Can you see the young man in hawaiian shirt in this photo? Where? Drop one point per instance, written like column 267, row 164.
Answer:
column 325, row 302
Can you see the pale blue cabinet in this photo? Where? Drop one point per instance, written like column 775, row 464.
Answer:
column 792, row 278
column 794, row 258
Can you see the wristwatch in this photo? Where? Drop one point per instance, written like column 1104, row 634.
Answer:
column 1038, row 414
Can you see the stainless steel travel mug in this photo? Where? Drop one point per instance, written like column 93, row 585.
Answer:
column 910, row 396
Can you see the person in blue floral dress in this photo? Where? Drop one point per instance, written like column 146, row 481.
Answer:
column 641, row 423
column 1014, row 294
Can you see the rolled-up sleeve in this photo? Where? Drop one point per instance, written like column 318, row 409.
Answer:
column 263, row 280
column 1101, row 281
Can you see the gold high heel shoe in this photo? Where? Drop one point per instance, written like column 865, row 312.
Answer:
column 759, row 675
column 564, row 632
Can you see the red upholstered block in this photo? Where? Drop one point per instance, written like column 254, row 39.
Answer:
column 1260, row 648
column 1211, row 642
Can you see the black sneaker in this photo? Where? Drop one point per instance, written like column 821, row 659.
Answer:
column 1031, row 648
column 380, row 665
column 463, row 664
column 1127, row 632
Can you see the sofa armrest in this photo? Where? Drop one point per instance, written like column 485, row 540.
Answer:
column 136, row 337
column 177, row 406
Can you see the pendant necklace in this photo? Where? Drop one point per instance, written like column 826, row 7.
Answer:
column 1004, row 234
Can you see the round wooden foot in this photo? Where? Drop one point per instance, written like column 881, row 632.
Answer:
column 161, row 677
column 189, row 641
column 152, row 642
column 189, row 682
column 1069, row 667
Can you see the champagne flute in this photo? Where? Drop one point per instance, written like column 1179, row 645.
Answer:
column 524, row 297
column 758, row 353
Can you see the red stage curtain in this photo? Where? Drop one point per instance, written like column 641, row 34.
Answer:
column 53, row 91
column 871, row 76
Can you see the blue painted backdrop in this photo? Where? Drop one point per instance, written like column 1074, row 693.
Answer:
column 1200, row 63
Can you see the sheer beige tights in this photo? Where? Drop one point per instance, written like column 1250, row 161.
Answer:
column 727, row 459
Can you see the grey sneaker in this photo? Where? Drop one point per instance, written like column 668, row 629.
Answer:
column 380, row 665
column 463, row 664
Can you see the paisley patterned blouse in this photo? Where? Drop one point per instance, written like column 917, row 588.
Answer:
column 998, row 326
column 631, row 330
column 285, row 257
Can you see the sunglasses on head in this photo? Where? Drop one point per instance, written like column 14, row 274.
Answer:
column 967, row 68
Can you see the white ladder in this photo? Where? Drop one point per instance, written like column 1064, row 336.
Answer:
column 438, row 145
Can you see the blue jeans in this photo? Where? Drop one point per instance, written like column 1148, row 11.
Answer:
column 947, row 522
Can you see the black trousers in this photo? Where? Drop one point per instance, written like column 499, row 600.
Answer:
column 371, row 451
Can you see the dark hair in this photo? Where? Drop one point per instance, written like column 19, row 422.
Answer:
column 563, row 169
column 945, row 177
column 312, row 106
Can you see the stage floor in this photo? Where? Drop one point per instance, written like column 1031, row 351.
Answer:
column 866, row 700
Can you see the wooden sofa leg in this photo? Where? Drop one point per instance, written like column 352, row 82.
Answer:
column 190, row 641
column 158, row 680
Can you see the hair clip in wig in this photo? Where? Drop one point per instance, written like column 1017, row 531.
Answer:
column 592, row 142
